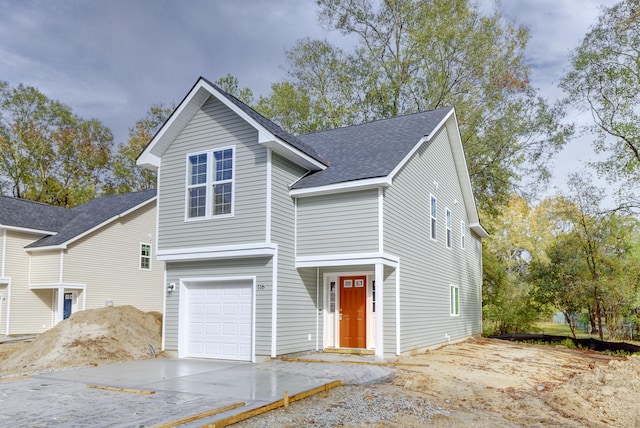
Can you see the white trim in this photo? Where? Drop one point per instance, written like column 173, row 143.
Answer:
column 448, row 232
column 65, row 244
column 463, row 235
column 27, row 230
column 379, row 279
column 349, row 186
column 140, row 256
column 61, row 269
column 269, row 185
column 5, row 279
column 4, row 253
column 479, row 230
column 55, row 285
column 199, row 94
column 295, row 227
column 380, row 220
column 183, row 310
column 164, row 307
column 457, row 301
column 433, row 221
column 326, row 260
column 318, row 312
column 274, row 305
column 209, row 184
column 261, row 249
column 398, row 314
column 8, row 315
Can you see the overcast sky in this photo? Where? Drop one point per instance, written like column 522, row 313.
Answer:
column 112, row 59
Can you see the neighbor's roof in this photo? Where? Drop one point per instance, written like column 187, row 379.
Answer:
column 63, row 225
column 369, row 150
column 32, row 216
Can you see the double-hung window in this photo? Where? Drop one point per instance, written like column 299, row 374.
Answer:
column 434, row 213
column 463, row 234
column 210, row 183
column 454, row 300
column 448, row 224
column 145, row 256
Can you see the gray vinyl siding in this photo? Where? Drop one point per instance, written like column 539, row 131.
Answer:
column 343, row 223
column 297, row 289
column 214, row 126
column 261, row 268
column 428, row 267
column 389, row 311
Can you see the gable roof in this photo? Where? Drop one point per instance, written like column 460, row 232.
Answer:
column 269, row 134
column 370, row 150
column 62, row 226
column 29, row 216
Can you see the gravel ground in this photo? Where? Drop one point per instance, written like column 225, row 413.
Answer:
column 351, row 406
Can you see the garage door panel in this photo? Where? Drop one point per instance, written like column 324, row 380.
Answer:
column 219, row 321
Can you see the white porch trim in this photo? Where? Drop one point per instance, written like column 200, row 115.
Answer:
column 347, row 260
column 261, row 249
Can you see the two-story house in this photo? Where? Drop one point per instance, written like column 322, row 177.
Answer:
column 55, row 261
column 362, row 237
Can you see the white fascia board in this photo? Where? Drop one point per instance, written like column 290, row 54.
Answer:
column 5, row 280
column 348, row 186
column 65, row 244
column 265, row 137
column 148, row 161
column 479, row 230
column 217, row 253
column 287, row 151
column 347, row 260
column 415, row 148
column 27, row 230
column 57, row 285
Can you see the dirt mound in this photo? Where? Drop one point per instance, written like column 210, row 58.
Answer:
column 607, row 395
column 95, row 336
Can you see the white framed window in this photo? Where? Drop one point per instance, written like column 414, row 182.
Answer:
column 210, row 183
column 454, row 300
column 463, row 234
column 434, row 216
column 145, row 256
column 448, row 226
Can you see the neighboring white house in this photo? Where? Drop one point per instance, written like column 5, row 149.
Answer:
column 362, row 237
column 55, row 261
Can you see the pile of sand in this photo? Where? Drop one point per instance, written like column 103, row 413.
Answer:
column 607, row 395
column 91, row 337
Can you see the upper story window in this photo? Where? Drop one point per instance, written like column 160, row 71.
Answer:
column 463, row 234
column 434, row 216
column 210, row 183
column 145, row 256
column 448, row 224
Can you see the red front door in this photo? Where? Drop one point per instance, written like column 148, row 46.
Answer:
column 353, row 298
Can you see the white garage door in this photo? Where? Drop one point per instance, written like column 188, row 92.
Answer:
column 219, row 321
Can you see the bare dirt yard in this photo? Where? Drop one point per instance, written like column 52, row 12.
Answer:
column 486, row 383
column 479, row 382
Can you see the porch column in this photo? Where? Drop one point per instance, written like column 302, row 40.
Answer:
column 60, row 305
column 379, row 279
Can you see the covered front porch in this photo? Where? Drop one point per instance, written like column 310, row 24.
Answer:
column 65, row 299
column 355, row 292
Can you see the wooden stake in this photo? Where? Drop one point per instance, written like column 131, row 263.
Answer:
column 200, row 415
column 111, row 388
column 286, row 399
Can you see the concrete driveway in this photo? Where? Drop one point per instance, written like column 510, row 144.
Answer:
column 163, row 391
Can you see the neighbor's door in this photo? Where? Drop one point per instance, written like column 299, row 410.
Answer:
column 353, row 312
column 68, row 304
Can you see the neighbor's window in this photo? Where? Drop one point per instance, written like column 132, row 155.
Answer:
column 434, row 212
column 145, row 256
column 448, row 223
column 210, row 183
column 463, row 234
column 454, row 301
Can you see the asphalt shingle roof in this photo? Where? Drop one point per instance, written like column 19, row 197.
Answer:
column 370, row 150
column 68, row 223
column 270, row 126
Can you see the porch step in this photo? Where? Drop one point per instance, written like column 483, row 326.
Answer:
column 350, row 351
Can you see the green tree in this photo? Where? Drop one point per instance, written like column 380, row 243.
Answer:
column 418, row 55
column 126, row 176
column 604, row 79
column 47, row 153
column 229, row 84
